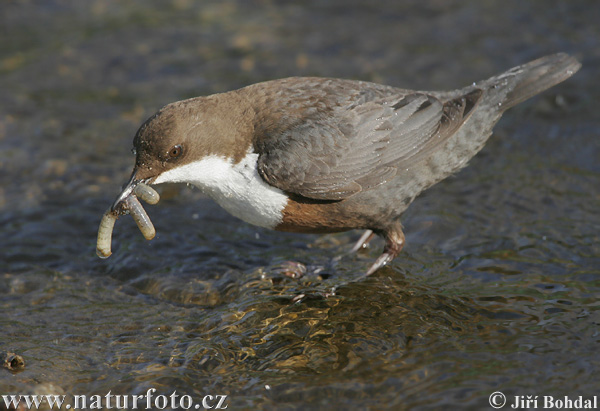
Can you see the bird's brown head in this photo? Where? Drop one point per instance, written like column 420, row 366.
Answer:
column 170, row 136
column 187, row 131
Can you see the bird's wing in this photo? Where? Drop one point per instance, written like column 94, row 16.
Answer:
column 333, row 154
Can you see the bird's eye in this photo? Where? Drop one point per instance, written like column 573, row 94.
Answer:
column 175, row 151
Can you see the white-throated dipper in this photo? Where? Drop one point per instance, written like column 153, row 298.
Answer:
column 320, row 155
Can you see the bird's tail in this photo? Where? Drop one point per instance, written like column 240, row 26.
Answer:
column 534, row 77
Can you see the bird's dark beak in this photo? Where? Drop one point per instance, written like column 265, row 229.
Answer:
column 126, row 191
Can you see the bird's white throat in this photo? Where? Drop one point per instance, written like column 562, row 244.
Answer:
column 238, row 188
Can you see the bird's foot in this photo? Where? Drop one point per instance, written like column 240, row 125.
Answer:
column 394, row 241
column 382, row 260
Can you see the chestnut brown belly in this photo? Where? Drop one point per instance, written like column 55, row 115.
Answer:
column 311, row 216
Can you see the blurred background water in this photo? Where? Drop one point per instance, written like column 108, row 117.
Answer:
column 497, row 288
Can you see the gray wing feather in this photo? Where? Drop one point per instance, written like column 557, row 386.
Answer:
column 358, row 146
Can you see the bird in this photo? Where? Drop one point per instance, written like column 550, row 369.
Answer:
column 325, row 155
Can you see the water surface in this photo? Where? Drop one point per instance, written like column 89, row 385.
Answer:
column 496, row 290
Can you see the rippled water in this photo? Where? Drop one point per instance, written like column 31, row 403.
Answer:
column 496, row 290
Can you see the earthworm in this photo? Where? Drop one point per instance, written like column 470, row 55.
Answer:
column 105, row 230
column 131, row 205
column 146, row 193
column 140, row 217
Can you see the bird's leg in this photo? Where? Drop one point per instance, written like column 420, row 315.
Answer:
column 363, row 241
column 394, row 241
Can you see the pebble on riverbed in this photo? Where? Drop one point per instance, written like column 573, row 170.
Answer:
column 12, row 361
